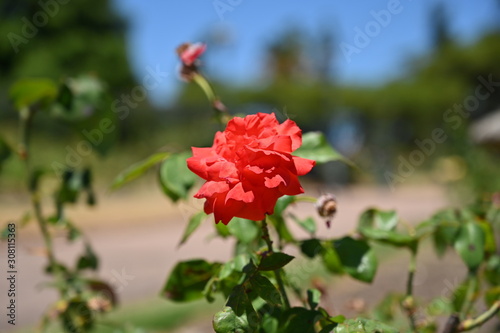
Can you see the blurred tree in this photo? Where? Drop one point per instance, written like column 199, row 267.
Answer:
column 57, row 38
column 439, row 26
column 61, row 38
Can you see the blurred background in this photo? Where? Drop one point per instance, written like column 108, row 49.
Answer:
column 408, row 90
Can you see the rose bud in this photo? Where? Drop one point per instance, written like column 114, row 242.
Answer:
column 189, row 53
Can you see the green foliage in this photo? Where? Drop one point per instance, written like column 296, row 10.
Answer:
column 227, row 321
column 274, row 261
column 27, row 93
column 188, row 280
column 138, row 169
column 362, row 325
column 380, row 226
column 357, row 258
column 193, row 224
column 316, row 147
column 469, row 244
column 175, row 178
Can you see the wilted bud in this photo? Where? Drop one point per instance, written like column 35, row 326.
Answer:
column 326, row 205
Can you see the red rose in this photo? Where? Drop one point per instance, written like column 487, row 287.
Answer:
column 189, row 53
column 249, row 167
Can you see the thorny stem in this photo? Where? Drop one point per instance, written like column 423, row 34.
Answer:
column 409, row 301
column 25, row 154
column 277, row 272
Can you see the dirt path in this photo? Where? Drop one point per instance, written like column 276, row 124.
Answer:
column 136, row 239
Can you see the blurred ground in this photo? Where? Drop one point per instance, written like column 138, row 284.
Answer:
column 136, row 237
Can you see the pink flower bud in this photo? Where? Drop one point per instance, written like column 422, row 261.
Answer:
column 189, row 53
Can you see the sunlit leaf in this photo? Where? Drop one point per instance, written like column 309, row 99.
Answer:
column 470, row 243
column 227, row 321
column 138, row 169
column 28, row 92
column 175, row 178
column 316, row 147
column 193, row 224
column 313, row 298
column 362, row 325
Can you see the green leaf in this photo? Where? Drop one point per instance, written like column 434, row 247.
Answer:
column 283, row 203
column 300, row 320
column 65, row 97
column 269, row 323
column 357, row 258
column 222, row 229
column 439, row 306
column 313, row 298
column 470, row 244
column 88, row 260
column 331, row 259
column 265, row 289
column 362, row 325
column 27, row 92
column 316, row 147
column 137, row 170
column 339, row 319
column 492, row 295
column 460, row 293
column 5, row 152
column 308, row 224
column 194, row 223
column 226, row 321
column 188, row 280
column 238, row 301
column 490, row 246
column 492, row 270
column 380, row 226
column 175, row 178
column 443, row 237
column 226, row 270
column 274, row 261
column 311, row 247
column 244, row 230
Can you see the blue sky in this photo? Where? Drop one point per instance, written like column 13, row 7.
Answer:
column 157, row 27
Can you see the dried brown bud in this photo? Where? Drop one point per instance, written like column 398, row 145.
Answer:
column 326, row 205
